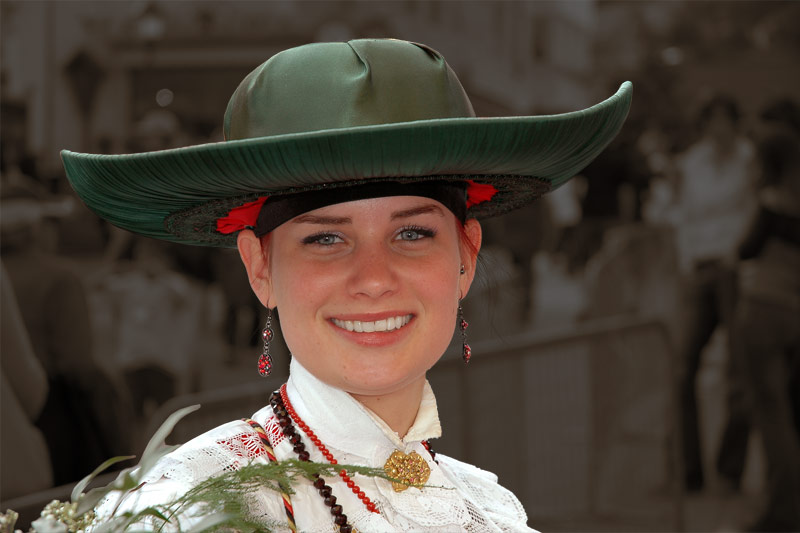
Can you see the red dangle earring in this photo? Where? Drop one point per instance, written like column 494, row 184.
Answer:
column 466, row 351
column 265, row 361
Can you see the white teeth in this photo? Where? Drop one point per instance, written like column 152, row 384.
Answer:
column 387, row 324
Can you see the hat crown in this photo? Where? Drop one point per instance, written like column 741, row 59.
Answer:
column 325, row 86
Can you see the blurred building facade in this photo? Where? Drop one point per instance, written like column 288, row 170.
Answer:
column 88, row 72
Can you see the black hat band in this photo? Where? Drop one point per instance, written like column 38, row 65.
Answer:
column 279, row 209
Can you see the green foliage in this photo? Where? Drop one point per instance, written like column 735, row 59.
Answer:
column 222, row 500
column 220, row 503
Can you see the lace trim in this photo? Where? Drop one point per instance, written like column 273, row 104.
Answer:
column 273, row 430
column 245, row 445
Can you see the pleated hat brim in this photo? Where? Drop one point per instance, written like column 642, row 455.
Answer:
column 178, row 195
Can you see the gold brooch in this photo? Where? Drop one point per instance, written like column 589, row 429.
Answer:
column 406, row 470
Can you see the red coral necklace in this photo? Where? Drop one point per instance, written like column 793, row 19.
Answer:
column 287, row 419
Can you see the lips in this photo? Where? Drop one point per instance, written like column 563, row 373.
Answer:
column 363, row 326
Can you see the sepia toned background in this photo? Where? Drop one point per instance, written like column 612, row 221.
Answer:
column 580, row 323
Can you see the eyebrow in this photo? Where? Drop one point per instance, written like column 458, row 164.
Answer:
column 315, row 219
column 421, row 210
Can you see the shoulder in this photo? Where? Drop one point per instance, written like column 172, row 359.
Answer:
column 222, row 449
column 483, row 488
column 465, row 470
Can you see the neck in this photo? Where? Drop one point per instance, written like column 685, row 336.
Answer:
column 398, row 409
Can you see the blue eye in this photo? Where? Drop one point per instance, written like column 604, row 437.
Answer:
column 323, row 239
column 414, row 233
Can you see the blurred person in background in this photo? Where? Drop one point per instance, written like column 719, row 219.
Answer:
column 765, row 332
column 716, row 202
column 23, row 392
column 181, row 269
column 615, row 184
column 81, row 399
column 658, row 207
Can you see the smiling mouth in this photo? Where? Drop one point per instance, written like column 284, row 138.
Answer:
column 387, row 324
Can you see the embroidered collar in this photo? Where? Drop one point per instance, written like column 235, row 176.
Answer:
column 343, row 423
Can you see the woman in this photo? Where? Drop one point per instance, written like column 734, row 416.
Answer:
column 350, row 182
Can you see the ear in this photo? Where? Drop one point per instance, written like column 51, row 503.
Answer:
column 469, row 254
column 255, row 262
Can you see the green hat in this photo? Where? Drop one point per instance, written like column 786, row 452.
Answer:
column 331, row 115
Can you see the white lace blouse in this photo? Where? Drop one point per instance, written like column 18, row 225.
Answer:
column 457, row 496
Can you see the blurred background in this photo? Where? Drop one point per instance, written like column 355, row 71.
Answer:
column 637, row 328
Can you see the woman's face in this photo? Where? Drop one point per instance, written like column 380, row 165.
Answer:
column 367, row 290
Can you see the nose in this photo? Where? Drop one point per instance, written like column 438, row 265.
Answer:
column 373, row 274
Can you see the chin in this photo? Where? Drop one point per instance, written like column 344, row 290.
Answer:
column 381, row 380
column 369, row 370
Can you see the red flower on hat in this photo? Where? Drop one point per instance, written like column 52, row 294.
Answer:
column 477, row 193
column 239, row 218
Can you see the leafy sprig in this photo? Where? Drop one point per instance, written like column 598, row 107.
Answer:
column 219, row 503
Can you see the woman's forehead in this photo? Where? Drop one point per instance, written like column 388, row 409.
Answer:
column 388, row 207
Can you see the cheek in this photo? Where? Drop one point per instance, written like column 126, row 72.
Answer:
column 300, row 290
column 437, row 275
column 436, row 284
column 440, row 299
column 439, row 285
column 301, row 287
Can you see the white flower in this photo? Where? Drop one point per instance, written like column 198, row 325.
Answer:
column 49, row 525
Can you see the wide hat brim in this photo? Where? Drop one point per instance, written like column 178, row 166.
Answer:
column 178, row 195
